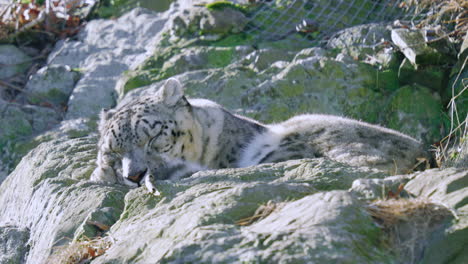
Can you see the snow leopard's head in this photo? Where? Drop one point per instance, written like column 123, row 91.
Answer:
column 142, row 135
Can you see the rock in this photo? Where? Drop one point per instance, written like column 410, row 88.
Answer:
column 367, row 43
column 414, row 110
column 18, row 123
column 456, row 88
column 13, row 61
column 13, row 244
column 461, row 158
column 47, row 193
column 3, row 171
column 104, row 49
column 319, row 235
column 310, row 227
column 222, row 20
column 51, row 84
column 432, row 77
column 413, row 45
column 223, row 85
column 210, row 22
column 307, row 211
column 464, row 46
column 373, row 189
column 264, row 59
column 191, row 59
column 315, row 85
column 449, row 187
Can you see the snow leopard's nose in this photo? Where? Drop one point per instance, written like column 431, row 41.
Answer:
column 137, row 177
column 133, row 166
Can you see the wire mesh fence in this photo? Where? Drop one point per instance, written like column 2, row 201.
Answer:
column 311, row 21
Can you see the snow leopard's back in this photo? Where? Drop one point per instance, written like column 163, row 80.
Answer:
column 345, row 140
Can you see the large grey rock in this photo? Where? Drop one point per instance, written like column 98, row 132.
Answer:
column 461, row 161
column 373, row 189
column 413, row 45
column 13, row 61
column 448, row 187
column 47, row 193
column 103, row 51
column 368, row 43
column 195, row 219
column 13, row 244
column 51, row 84
column 207, row 22
column 18, row 123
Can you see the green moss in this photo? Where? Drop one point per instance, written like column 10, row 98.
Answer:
column 364, row 104
column 54, row 96
column 52, row 173
column 415, row 111
column 77, row 133
column 386, row 80
column 291, row 88
column 139, row 80
column 233, row 40
column 219, row 58
column 433, row 77
column 92, row 123
column 278, row 112
column 220, row 5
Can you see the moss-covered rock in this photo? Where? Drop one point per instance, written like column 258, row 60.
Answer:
column 13, row 61
column 271, row 86
column 52, row 84
column 415, row 110
column 432, row 77
column 18, row 123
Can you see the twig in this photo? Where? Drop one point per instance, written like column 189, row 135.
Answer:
column 40, row 18
column 22, row 90
column 27, row 60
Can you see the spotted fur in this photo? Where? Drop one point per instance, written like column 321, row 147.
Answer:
column 166, row 136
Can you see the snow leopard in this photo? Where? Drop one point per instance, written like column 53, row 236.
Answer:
column 167, row 136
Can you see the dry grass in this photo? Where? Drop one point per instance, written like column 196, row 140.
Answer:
column 449, row 149
column 408, row 224
column 55, row 19
column 262, row 212
column 390, row 212
column 78, row 252
column 452, row 17
column 450, row 13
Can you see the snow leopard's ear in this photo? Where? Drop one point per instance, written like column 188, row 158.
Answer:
column 105, row 115
column 172, row 91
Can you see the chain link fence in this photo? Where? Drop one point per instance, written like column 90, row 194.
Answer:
column 312, row 21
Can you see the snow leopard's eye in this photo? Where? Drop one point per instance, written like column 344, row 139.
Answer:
column 159, row 144
column 110, row 158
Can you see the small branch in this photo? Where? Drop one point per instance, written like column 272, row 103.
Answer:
column 22, row 90
column 28, row 60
